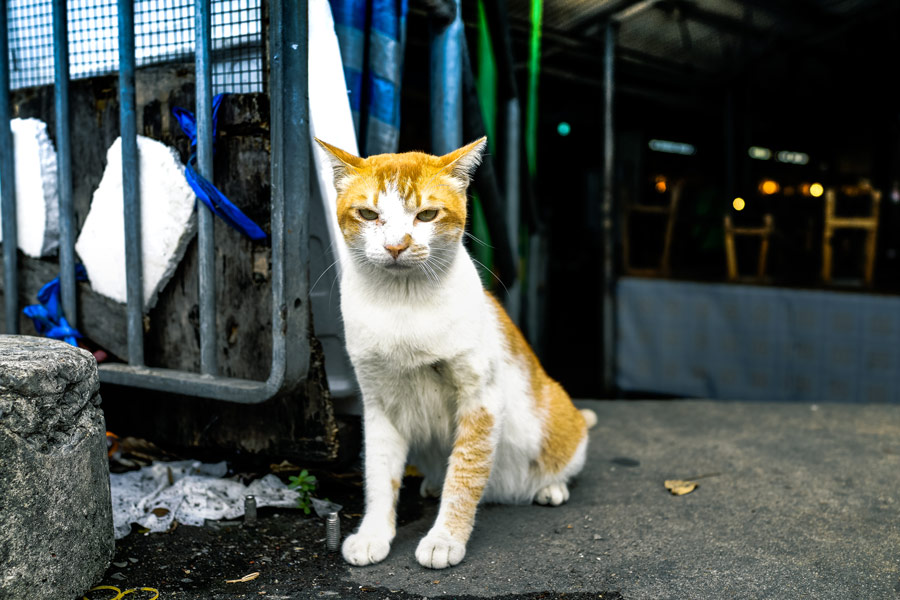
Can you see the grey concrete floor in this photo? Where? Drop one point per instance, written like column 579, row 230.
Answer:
column 794, row 501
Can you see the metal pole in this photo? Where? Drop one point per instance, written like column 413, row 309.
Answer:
column 446, row 86
column 131, row 185
column 8, row 186
column 206, row 234
column 730, row 189
column 513, row 118
column 289, row 85
column 64, row 162
column 609, row 322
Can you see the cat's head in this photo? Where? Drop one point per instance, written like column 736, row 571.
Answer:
column 404, row 213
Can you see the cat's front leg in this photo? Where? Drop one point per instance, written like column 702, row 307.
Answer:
column 385, row 457
column 467, row 476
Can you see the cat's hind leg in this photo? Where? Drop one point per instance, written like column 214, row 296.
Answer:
column 553, row 494
column 431, row 462
column 553, row 488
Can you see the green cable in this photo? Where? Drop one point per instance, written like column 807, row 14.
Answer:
column 486, row 85
column 534, row 68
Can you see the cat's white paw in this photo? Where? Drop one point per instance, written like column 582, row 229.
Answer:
column 438, row 550
column 554, row 494
column 429, row 490
column 363, row 549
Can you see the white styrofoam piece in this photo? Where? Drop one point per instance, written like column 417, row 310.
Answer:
column 37, row 196
column 330, row 118
column 196, row 492
column 167, row 222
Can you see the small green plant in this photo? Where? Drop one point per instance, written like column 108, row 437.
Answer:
column 306, row 485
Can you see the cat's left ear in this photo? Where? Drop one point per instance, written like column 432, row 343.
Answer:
column 462, row 163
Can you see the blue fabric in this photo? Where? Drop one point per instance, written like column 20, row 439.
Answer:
column 206, row 191
column 390, row 98
column 376, row 91
column 47, row 316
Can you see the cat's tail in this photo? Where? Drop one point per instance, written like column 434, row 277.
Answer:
column 590, row 417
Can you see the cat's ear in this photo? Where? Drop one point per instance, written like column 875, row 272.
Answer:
column 462, row 163
column 345, row 165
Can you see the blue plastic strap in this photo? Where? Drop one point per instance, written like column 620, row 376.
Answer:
column 47, row 316
column 206, row 191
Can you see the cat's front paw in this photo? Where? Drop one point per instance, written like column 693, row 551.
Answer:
column 363, row 549
column 438, row 550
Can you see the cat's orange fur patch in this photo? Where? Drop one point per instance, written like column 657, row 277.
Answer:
column 470, row 468
column 395, row 485
column 564, row 425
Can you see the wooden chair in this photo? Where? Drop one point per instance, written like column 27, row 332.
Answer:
column 868, row 223
column 670, row 212
column 763, row 233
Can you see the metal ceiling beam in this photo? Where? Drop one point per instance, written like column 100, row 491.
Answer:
column 806, row 15
column 603, row 14
column 719, row 21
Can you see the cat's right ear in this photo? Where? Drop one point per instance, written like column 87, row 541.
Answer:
column 345, row 165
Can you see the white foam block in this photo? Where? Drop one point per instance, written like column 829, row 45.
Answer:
column 37, row 197
column 330, row 118
column 167, row 222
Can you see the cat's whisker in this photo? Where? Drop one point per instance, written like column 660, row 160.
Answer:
column 482, row 242
column 313, row 286
column 483, row 266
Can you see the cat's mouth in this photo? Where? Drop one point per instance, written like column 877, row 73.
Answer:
column 396, row 266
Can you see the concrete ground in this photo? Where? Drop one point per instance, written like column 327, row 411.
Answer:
column 794, row 501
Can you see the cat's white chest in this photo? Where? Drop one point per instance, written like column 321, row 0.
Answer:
column 401, row 334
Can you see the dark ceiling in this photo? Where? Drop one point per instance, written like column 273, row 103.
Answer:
column 679, row 45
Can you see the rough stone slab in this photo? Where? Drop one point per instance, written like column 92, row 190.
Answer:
column 56, row 536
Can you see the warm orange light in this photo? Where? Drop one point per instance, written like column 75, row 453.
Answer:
column 769, row 187
column 661, row 186
column 816, row 190
column 738, row 204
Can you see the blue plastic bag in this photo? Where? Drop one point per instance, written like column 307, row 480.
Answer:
column 205, row 190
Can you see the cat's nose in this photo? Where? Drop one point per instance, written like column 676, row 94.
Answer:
column 396, row 249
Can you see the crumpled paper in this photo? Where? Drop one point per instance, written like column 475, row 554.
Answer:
column 189, row 492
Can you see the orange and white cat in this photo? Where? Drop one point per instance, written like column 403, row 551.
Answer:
column 448, row 382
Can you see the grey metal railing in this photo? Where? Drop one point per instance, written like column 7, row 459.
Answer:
column 8, row 186
column 289, row 206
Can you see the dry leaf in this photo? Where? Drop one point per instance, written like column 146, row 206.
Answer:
column 679, row 487
column 243, row 579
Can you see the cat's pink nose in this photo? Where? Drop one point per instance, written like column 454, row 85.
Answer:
column 396, row 249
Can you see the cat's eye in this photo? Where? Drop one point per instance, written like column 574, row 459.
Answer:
column 427, row 215
column 368, row 215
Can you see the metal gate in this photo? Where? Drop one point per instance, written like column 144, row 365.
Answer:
column 289, row 138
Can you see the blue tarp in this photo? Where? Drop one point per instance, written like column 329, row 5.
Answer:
column 371, row 34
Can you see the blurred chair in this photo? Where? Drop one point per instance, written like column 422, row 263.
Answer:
column 867, row 223
column 763, row 233
column 669, row 211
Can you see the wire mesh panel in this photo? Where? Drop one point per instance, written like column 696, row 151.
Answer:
column 237, row 46
column 164, row 33
column 30, row 42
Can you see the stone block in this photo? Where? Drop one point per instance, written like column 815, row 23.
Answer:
column 56, row 532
